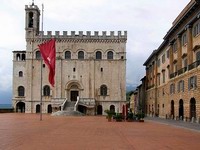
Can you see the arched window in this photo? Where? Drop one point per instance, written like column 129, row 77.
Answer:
column 46, row 90
column 103, row 90
column 18, row 57
column 20, row 74
column 112, row 108
column 98, row 55
column 80, row 55
column 21, row 91
column 110, row 55
column 38, row 55
column 23, row 57
column 67, row 55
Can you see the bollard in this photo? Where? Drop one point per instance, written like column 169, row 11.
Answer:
column 192, row 120
column 181, row 118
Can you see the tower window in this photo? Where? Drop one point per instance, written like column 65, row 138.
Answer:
column 30, row 23
column 21, row 91
column 20, row 74
column 43, row 65
column 23, row 57
column 101, row 69
column 74, row 69
column 18, row 57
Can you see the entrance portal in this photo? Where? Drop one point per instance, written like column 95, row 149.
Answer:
column 74, row 95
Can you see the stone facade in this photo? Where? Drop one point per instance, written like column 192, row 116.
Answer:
column 90, row 66
column 173, row 70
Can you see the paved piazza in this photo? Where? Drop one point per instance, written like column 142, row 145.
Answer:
column 27, row 132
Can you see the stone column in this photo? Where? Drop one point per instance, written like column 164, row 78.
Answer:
column 189, row 44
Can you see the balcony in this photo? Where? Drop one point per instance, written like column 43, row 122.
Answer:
column 183, row 70
column 193, row 65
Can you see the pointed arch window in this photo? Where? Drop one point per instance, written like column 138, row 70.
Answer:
column 46, row 90
column 67, row 55
column 110, row 55
column 80, row 55
column 98, row 55
column 103, row 90
column 21, row 91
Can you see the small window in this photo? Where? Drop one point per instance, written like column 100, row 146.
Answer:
column 98, row 55
column 103, row 90
column 74, row 69
column 196, row 29
column 38, row 55
column 23, row 57
column 20, row 74
column 21, row 91
column 18, row 57
column 67, row 55
column 80, row 55
column 163, row 58
column 172, row 88
column 174, row 47
column 110, row 55
column 184, row 39
column 168, row 54
column 43, row 65
column 158, row 62
column 163, row 73
column 46, row 90
column 101, row 69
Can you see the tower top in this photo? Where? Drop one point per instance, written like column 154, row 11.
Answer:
column 32, row 2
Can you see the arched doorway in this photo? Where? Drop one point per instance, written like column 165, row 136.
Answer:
column 49, row 109
column 172, row 109
column 99, row 110
column 192, row 108
column 112, row 108
column 37, row 108
column 73, row 89
column 20, row 107
column 181, row 109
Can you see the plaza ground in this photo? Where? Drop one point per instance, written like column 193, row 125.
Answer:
column 27, row 132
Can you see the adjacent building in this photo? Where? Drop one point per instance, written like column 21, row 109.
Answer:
column 90, row 68
column 173, row 69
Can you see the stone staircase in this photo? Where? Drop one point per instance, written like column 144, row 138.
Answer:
column 68, row 110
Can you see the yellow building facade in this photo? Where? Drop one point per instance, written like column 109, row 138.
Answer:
column 173, row 70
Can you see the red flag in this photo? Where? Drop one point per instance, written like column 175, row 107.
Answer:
column 48, row 52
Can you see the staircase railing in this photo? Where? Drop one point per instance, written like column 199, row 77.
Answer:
column 64, row 104
column 76, row 104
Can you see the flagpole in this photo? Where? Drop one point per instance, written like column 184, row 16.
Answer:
column 41, row 69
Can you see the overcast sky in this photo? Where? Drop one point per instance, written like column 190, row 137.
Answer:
column 146, row 21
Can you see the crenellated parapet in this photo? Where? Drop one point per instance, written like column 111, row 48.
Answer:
column 87, row 36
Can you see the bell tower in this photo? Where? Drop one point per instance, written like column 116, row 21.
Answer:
column 32, row 20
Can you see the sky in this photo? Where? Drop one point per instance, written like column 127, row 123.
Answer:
column 146, row 21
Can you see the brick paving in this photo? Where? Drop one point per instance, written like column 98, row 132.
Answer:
column 26, row 132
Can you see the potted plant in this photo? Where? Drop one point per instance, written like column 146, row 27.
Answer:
column 118, row 117
column 109, row 114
